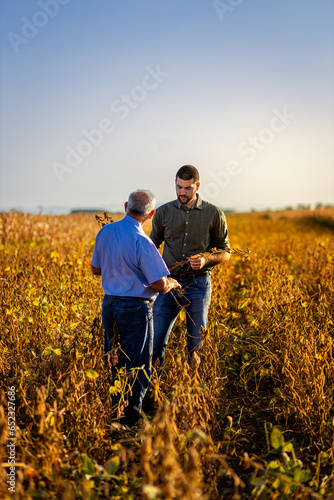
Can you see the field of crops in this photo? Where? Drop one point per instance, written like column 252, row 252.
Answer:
column 253, row 417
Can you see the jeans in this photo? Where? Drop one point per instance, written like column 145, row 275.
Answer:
column 134, row 319
column 196, row 300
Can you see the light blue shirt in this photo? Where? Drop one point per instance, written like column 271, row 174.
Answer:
column 128, row 259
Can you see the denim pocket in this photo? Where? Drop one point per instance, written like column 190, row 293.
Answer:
column 131, row 319
column 203, row 281
column 127, row 309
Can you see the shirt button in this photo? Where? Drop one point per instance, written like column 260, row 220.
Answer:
column 187, row 222
column 185, row 245
column 186, row 234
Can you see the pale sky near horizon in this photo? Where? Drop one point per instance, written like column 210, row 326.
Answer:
column 99, row 98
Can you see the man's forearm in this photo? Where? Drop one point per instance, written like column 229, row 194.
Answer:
column 217, row 258
column 165, row 285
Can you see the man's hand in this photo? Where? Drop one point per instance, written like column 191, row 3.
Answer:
column 197, row 262
column 173, row 283
column 212, row 259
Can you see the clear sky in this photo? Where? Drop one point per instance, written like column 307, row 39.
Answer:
column 102, row 97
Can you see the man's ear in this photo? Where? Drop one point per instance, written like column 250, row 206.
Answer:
column 197, row 185
column 150, row 215
column 125, row 206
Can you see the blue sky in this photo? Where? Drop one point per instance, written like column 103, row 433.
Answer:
column 99, row 98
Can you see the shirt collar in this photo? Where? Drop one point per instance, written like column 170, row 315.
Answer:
column 198, row 203
column 132, row 221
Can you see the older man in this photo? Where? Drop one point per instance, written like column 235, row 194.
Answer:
column 189, row 227
column 132, row 273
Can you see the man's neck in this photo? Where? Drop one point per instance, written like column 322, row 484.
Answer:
column 139, row 218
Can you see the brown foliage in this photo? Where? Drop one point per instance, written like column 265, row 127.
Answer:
column 267, row 360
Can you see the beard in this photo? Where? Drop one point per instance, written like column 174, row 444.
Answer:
column 184, row 199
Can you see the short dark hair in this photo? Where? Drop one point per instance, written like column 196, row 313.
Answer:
column 187, row 172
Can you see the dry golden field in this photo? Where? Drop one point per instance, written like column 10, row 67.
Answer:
column 253, row 418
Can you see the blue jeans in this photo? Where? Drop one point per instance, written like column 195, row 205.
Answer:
column 196, row 300
column 134, row 319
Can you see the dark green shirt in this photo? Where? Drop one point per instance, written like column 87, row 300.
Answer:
column 188, row 231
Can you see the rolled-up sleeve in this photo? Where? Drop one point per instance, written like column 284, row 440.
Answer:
column 218, row 231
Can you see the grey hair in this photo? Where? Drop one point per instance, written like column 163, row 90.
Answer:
column 141, row 202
